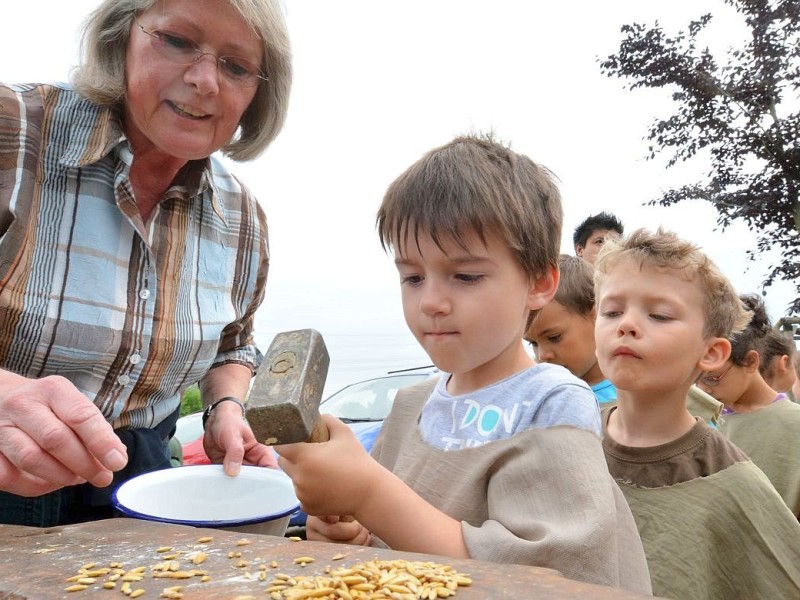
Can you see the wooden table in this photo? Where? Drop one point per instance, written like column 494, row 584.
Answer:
column 36, row 563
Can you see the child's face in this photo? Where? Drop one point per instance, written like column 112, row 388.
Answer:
column 468, row 308
column 649, row 330
column 594, row 244
column 563, row 337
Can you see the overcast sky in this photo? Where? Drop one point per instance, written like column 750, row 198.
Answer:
column 377, row 84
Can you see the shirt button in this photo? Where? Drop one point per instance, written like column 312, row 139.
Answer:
column 144, row 294
column 123, row 380
column 135, row 359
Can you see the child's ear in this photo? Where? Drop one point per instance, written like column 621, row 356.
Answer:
column 752, row 360
column 543, row 288
column 718, row 351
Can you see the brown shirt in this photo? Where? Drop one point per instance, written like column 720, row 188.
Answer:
column 701, row 452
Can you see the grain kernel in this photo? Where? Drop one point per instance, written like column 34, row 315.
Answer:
column 205, row 540
column 137, row 593
column 76, row 588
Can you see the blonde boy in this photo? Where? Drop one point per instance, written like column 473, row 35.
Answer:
column 499, row 459
column 711, row 523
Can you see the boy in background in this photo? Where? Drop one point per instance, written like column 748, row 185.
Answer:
column 499, row 459
column 562, row 332
column 712, row 524
column 589, row 237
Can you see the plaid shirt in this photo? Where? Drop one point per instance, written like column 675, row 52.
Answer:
column 131, row 313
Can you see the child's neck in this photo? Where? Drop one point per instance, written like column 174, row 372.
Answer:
column 594, row 375
column 651, row 421
column 501, row 368
column 756, row 396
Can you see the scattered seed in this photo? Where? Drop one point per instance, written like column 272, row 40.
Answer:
column 163, row 549
column 243, row 542
column 76, row 588
column 199, row 558
column 137, row 593
column 98, row 572
column 337, row 557
column 205, row 540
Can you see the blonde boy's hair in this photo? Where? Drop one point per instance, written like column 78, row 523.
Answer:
column 476, row 184
column 723, row 310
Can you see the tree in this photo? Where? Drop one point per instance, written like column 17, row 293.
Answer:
column 742, row 117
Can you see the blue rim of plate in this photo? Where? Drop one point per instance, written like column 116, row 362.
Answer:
column 209, row 524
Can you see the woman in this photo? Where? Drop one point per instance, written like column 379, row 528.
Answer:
column 131, row 261
column 759, row 420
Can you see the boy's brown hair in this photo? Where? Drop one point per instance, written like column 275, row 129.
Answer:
column 576, row 286
column 722, row 308
column 475, row 183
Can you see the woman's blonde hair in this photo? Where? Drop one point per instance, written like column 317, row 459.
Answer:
column 100, row 76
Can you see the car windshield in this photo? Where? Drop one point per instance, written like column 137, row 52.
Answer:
column 369, row 400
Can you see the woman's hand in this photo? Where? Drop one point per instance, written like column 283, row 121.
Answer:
column 51, row 436
column 333, row 529
column 229, row 440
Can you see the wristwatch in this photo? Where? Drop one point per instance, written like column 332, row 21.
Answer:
column 213, row 405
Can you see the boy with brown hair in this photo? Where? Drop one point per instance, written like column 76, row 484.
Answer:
column 711, row 523
column 562, row 332
column 500, row 458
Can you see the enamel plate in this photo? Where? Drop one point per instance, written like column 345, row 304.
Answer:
column 204, row 496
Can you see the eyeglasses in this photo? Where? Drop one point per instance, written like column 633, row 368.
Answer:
column 183, row 51
column 709, row 381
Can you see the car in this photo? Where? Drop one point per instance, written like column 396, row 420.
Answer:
column 362, row 406
column 365, row 404
column 189, row 432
